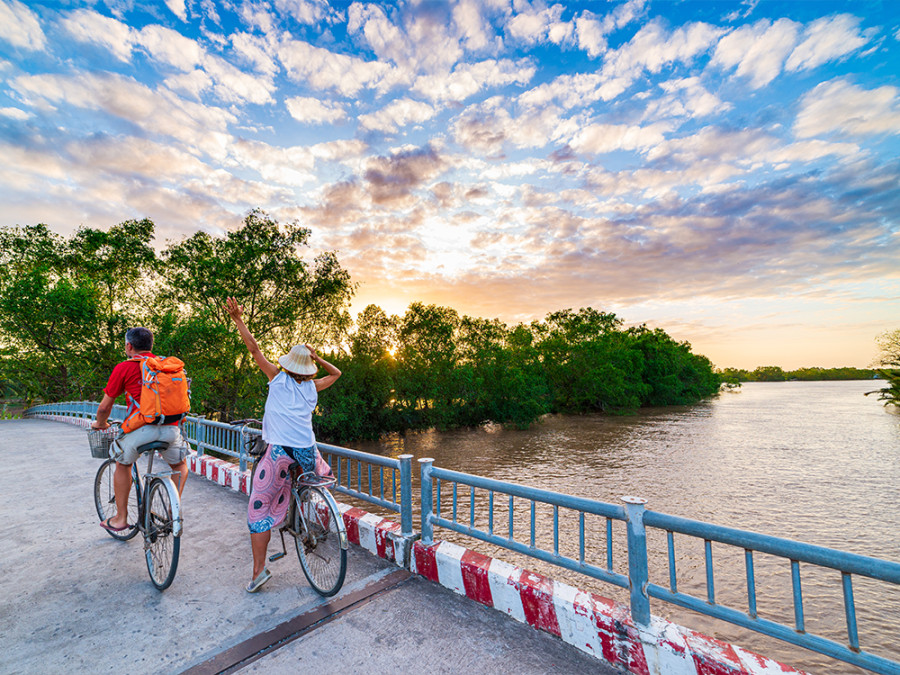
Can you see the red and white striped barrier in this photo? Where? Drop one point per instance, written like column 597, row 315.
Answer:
column 592, row 623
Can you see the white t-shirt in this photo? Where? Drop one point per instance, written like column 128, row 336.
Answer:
column 289, row 408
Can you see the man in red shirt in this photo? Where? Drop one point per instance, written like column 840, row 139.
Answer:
column 126, row 378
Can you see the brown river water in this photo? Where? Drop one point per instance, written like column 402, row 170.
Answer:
column 817, row 462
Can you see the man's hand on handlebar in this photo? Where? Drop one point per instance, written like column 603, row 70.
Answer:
column 99, row 425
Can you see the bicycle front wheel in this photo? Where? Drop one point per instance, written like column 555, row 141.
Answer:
column 321, row 540
column 160, row 542
column 105, row 499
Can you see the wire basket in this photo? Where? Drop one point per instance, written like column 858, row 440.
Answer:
column 100, row 440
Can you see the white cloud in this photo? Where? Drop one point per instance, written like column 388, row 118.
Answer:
column 685, row 97
column 542, row 25
column 257, row 50
column 826, row 39
column 472, row 26
column 15, row 114
column 20, row 27
column 170, row 47
column 468, row 79
column 400, row 113
column 839, row 107
column 88, row 26
column 177, row 8
column 759, row 50
column 603, row 138
column 159, row 112
column 309, row 12
column 313, row 111
column 325, row 70
column 654, row 48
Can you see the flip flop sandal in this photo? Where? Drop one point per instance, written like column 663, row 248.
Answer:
column 109, row 528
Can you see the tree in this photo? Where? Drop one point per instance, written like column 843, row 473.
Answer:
column 286, row 300
column 65, row 304
column 889, row 348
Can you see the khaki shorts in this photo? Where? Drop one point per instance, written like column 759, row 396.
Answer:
column 124, row 448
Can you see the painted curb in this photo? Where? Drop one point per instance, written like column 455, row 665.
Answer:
column 594, row 624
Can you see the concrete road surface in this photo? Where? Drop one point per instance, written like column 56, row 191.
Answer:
column 73, row 600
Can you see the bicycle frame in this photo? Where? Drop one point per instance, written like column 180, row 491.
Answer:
column 143, row 488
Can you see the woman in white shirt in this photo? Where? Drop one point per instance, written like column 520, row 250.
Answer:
column 287, row 428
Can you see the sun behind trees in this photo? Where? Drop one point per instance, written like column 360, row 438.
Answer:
column 66, row 303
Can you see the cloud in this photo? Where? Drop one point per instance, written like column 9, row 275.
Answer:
column 489, row 126
column 602, row 138
column 308, row 12
column 841, row 108
column 685, row 97
column 88, row 26
column 15, row 114
column 826, row 39
column 758, row 51
column 157, row 112
column 468, row 79
column 654, row 48
column 541, row 25
column 392, row 179
column 313, row 111
column 177, row 8
column 325, row 70
column 473, row 28
column 400, row 113
column 20, row 27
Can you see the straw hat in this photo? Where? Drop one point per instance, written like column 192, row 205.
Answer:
column 298, row 361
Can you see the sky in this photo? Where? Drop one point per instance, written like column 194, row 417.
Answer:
column 726, row 171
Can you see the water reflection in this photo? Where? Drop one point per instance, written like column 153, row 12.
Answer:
column 817, row 462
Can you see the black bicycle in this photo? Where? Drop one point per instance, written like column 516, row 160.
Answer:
column 154, row 500
column 313, row 520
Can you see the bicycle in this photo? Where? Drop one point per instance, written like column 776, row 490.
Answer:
column 155, row 500
column 313, row 520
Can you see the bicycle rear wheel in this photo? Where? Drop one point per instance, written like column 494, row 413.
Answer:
column 105, row 499
column 322, row 544
column 160, row 542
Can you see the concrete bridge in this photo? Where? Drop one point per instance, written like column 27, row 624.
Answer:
column 74, row 600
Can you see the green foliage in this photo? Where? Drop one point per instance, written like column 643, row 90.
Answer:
column 66, row 304
column 889, row 355
column 775, row 374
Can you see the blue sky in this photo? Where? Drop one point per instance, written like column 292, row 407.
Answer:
column 728, row 171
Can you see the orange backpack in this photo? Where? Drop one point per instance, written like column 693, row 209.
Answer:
column 165, row 393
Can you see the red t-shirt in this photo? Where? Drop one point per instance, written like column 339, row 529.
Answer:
column 126, row 379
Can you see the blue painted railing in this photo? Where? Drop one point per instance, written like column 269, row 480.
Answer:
column 476, row 518
column 383, row 481
column 358, row 477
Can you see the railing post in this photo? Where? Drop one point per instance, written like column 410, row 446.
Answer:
column 406, row 527
column 637, row 559
column 426, row 500
column 201, row 434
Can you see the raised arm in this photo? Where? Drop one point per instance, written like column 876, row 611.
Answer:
column 333, row 372
column 235, row 311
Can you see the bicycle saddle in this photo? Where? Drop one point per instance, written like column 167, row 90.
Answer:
column 153, row 445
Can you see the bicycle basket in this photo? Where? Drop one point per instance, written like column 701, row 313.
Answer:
column 100, row 440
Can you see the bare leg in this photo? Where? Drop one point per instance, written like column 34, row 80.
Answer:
column 122, row 486
column 182, row 469
column 259, row 543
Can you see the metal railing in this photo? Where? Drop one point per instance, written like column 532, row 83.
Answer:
column 351, row 467
column 376, row 480
column 467, row 519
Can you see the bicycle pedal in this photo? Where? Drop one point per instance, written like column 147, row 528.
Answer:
column 276, row 556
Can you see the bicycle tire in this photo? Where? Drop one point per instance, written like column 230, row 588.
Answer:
column 323, row 555
column 105, row 500
column 162, row 545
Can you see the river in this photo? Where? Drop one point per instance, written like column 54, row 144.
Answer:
column 818, row 462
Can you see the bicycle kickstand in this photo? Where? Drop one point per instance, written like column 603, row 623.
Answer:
column 283, row 552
